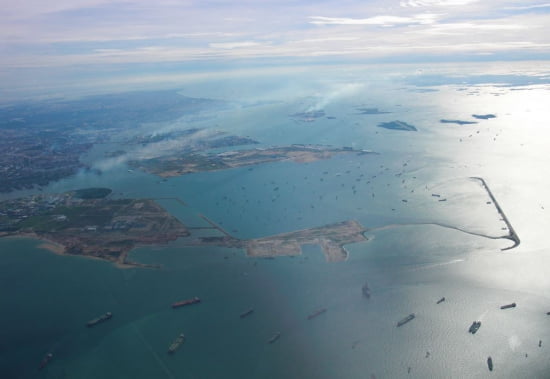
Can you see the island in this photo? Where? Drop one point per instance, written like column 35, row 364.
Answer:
column 458, row 122
column 397, row 125
column 187, row 163
column 370, row 111
column 89, row 223
column 483, row 116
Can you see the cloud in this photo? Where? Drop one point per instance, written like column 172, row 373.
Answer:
column 528, row 7
column 429, row 3
column 234, row 45
column 423, row 19
column 469, row 26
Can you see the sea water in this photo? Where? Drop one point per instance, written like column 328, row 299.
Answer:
column 426, row 254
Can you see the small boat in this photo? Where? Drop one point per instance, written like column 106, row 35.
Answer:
column 507, row 306
column 99, row 320
column 44, row 362
column 406, row 320
column 316, row 313
column 440, row 300
column 274, row 338
column 183, row 303
column 177, row 343
column 247, row 313
column 490, row 363
column 474, row 327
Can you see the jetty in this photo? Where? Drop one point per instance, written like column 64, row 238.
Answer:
column 512, row 235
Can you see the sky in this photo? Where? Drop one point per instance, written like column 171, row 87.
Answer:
column 46, row 38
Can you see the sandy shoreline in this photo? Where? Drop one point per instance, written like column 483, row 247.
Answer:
column 58, row 249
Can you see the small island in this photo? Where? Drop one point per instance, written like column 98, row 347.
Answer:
column 397, row 125
column 458, row 122
column 483, row 116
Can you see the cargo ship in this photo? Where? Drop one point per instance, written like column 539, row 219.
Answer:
column 316, row 313
column 183, row 303
column 440, row 300
column 99, row 320
column 490, row 363
column 513, row 305
column 176, row 344
column 366, row 290
column 474, row 327
column 406, row 320
column 44, row 362
column 274, row 338
column 247, row 313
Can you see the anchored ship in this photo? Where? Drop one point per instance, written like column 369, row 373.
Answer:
column 177, row 342
column 99, row 320
column 182, row 303
column 366, row 290
column 274, row 338
column 490, row 363
column 474, row 327
column 247, row 313
column 316, row 313
column 513, row 305
column 406, row 320
column 44, row 362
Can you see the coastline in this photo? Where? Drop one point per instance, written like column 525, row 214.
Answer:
column 58, row 249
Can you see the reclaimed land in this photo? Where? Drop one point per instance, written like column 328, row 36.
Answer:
column 187, row 163
column 512, row 235
column 92, row 226
column 89, row 223
column 331, row 238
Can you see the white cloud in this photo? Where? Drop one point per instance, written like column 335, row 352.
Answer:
column 234, row 45
column 425, row 18
column 527, row 7
column 429, row 3
column 468, row 26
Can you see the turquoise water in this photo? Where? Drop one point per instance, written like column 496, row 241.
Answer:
column 47, row 299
